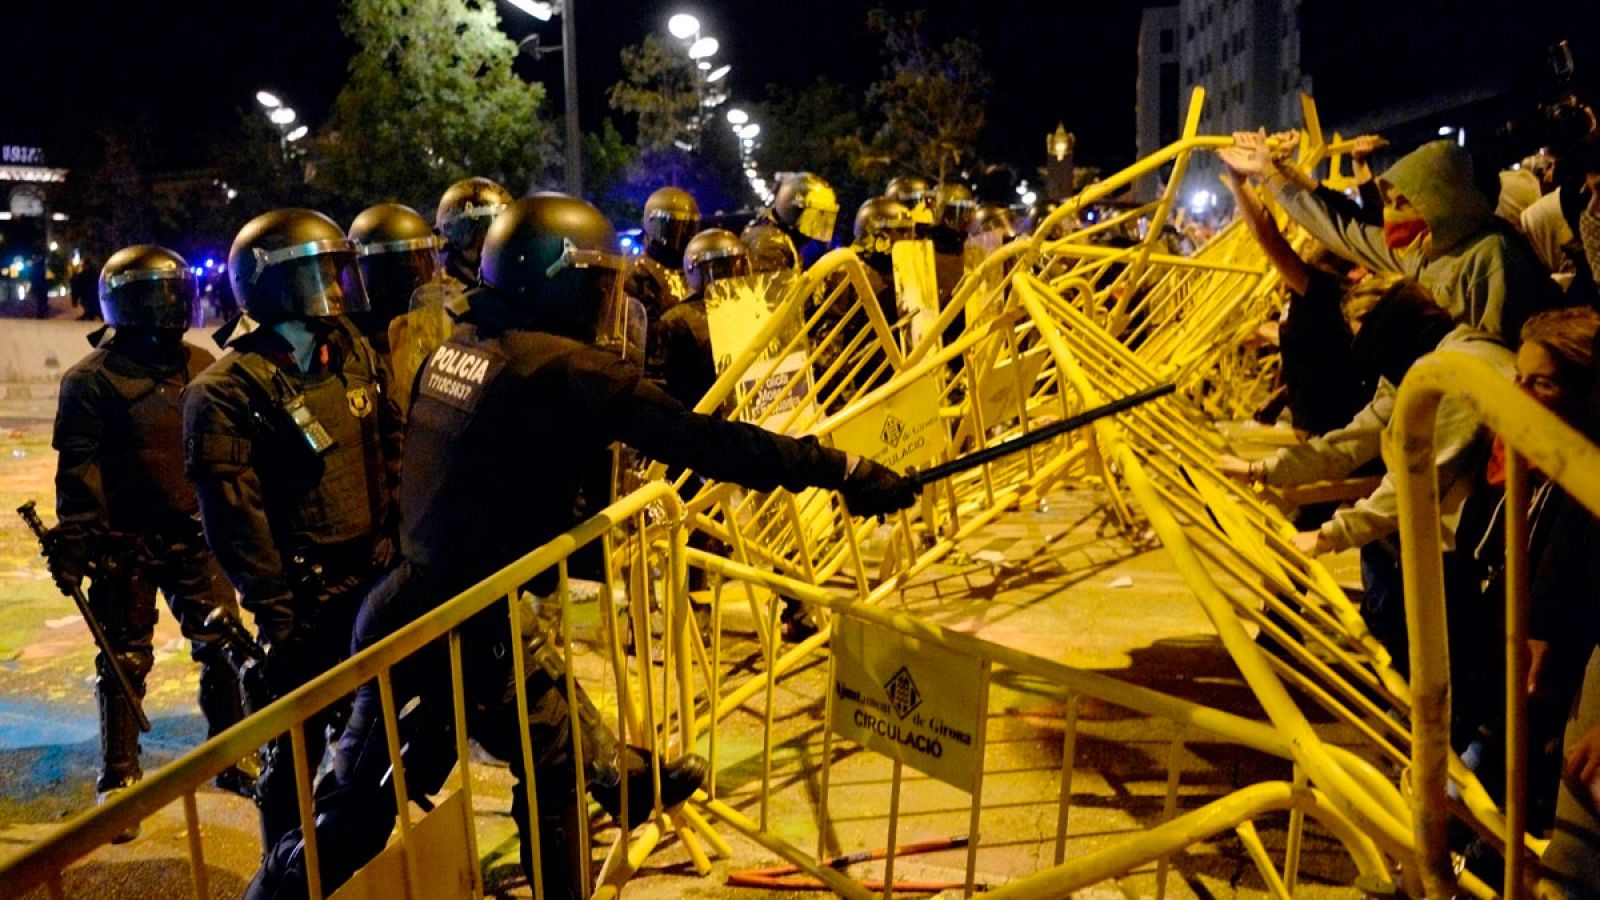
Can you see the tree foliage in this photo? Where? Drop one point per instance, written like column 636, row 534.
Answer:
column 813, row 130
column 431, row 99
column 660, row 86
column 931, row 99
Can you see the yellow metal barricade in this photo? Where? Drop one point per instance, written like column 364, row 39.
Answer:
column 449, row 849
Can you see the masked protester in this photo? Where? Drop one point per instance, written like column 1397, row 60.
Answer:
column 520, row 376
column 128, row 518
column 399, row 255
column 293, row 454
column 1437, row 228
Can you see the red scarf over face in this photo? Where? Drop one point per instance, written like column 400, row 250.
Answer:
column 1402, row 228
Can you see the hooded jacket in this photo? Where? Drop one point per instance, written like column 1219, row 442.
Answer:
column 1476, row 266
column 1460, row 448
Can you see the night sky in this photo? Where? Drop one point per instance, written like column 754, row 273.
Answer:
column 189, row 67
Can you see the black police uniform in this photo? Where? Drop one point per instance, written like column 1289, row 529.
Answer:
column 680, row 357
column 295, row 473
column 505, row 421
column 122, row 501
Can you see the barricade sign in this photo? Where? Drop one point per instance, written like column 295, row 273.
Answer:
column 903, row 432
column 908, row 700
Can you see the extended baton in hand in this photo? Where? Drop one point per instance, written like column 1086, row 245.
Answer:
column 119, row 675
column 989, row 454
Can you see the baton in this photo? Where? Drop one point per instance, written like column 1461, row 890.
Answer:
column 118, row 674
column 989, row 454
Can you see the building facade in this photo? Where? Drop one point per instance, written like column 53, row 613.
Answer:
column 1156, row 96
column 1246, row 54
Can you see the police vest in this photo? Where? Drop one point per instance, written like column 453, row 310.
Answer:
column 326, row 460
column 141, row 451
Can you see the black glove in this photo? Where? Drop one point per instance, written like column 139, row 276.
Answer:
column 69, row 557
column 873, row 490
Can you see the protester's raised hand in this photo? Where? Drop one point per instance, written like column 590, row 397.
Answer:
column 1249, row 156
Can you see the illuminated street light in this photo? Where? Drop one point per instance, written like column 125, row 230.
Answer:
column 737, row 117
column 750, row 131
column 539, row 9
column 703, row 65
column 268, row 99
column 683, row 26
column 297, row 134
column 283, row 115
column 719, row 74
column 703, row 48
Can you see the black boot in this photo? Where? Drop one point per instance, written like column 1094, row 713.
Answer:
column 223, row 707
column 119, row 750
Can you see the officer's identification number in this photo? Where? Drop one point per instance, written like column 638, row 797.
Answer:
column 456, row 375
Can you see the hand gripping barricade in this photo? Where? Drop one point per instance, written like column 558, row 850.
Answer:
column 1056, row 324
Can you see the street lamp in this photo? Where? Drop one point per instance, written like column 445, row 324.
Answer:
column 283, row 115
column 297, row 134
column 704, row 48
column 737, row 117
column 543, row 10
column 268, row 99
column 539, row 9
column 720, row 73
column 683, row 26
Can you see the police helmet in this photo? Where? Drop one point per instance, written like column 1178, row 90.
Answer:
column 912, row 190
column 556, row 258
column 399, row 253
column 295, row 263
column 994, row 217
column 465, row 211
column 145, row 286
column 954, row 206
column 769, row 249
column 806, row 204
column 880, row 222
column 712, row 255
column 671, row 218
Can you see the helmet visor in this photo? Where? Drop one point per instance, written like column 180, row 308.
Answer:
column 465, row 229
column 670, row 233
column 317, row 280
column 151, row 298
column 708, row 272
column 599, row 276
column 816, row 222
column 392, row 276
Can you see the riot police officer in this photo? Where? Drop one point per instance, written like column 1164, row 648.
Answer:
column 292, row 452
column 399, row 256
column 769, row 249
column 806, row 209
column 128, row 518
column 507, row 415
column 462, row 219
column 916, row 194
column 953, row 209
column 671, row 218
column 680, row 344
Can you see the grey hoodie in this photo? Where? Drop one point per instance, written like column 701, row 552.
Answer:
column 1475, row 265
column 1460, row 450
